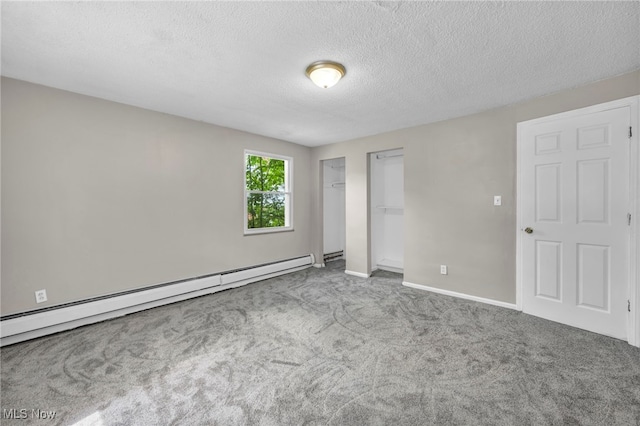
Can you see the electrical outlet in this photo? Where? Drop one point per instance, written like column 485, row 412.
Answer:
column 443, row 269
column 41, row 296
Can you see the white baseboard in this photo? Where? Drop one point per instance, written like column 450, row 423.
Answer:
column 461, row 295
column 39, row 324
column 391, row 265
column 391, row 269
column 356, row 274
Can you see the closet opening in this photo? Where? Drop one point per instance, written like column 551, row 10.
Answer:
column 387, row 210
column 333, row 209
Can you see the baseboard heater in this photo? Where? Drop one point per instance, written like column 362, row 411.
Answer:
column 29, row 325
column 336, row 255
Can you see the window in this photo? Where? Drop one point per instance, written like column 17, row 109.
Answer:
column 267, row 193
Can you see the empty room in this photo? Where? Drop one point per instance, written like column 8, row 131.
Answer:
column 320, row 213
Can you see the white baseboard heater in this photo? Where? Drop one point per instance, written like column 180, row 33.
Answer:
column 29, row 325
column 336, row 255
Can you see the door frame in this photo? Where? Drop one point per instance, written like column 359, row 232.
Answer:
column 633, row 287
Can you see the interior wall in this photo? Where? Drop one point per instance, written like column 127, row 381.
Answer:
column 100, row 197
column 453, row 169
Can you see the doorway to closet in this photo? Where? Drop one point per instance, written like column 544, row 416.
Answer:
column 386, row 178
column 333, row 206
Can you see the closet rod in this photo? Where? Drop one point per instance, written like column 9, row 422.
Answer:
column 379, row 157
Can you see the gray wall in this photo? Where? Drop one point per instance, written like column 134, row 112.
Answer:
column 452, row 171
column 100, row 197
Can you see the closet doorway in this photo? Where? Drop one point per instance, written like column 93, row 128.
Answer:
column 333, row 209
column 387, row 210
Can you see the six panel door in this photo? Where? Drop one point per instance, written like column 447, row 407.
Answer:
column 574, row 200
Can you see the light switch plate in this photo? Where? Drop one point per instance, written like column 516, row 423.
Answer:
column 497, row 200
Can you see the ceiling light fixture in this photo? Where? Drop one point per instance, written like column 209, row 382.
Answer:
column 325, row 73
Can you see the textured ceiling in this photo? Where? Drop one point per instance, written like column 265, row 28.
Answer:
column 241, row 64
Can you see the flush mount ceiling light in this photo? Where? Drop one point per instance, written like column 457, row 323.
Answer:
column 325, row 73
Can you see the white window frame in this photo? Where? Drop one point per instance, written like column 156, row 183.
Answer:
column 288, row 194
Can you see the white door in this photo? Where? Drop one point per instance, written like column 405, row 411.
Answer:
column 574, row 175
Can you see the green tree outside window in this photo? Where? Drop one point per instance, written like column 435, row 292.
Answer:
column 267, row 192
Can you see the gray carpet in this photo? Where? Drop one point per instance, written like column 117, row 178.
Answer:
column 318, row 347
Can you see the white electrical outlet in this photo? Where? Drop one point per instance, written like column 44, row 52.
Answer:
column 443, row 269
column 497, row 200
column 41, row 296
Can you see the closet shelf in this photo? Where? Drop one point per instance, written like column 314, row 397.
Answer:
column 385, row 156
column 390, row 207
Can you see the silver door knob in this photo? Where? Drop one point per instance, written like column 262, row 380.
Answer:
column 528, row 230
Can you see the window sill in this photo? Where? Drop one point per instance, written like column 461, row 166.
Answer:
column 258, row 231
